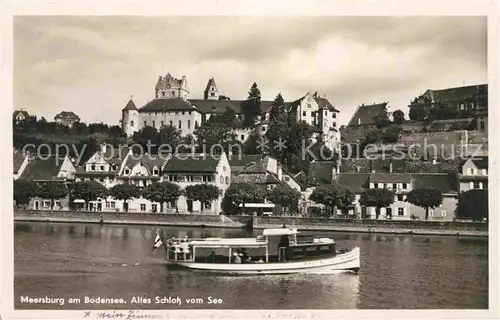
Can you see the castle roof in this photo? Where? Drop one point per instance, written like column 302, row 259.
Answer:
column 367, row 114
column 169, row 104
column 130, row 106
column 323, row 103
column 219, row 106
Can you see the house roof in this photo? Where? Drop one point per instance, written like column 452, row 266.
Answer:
column 324, row 103
column 320, row 171
column 66, row 115
column 191, row 163
column 259, row 166
column 439, row 181
column 149, row 161
column 257, row 178
column 390, row 178
column 457, row 93
column 18, row 160
column 17, row 112
column 354, row 182
column 239, row 162
column 480, row 162
column 42, row 169
column 130, row 106
column 367, row 114
column 167, row 104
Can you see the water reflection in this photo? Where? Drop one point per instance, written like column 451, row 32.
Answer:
column 397, row 271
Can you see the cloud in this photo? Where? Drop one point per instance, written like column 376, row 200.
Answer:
column 91, row 65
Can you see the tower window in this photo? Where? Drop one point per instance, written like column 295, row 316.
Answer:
column 212, row 94
column 132, row 123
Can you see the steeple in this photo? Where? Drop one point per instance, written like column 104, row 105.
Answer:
column 211, row 92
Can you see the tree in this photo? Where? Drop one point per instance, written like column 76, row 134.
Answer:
column 205, row 193
column 124, row 192
column 251, row 106
column 287, row 198
column 278, row 127
column 146, row 136
column 23, row 191
column 378, row 198
column 169, row 136
column 473, row 204
column 162, row 192
column 398, row 117
column 240, row 193
column 418, row 113
column 52, row 190
column 331, row 196
column 88, row 191
column 425, row 198
column 391, row 134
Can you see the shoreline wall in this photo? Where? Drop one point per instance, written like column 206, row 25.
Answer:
column 216, row 221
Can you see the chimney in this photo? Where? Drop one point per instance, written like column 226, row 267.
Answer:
column 104, row 147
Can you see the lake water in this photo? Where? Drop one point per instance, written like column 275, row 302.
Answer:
column 397, row 272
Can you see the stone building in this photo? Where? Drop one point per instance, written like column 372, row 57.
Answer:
column 173, row 106
column 68, row 118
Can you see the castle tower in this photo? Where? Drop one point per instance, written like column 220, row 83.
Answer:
column 170, row 87
column 130, row 118
column 211, row 92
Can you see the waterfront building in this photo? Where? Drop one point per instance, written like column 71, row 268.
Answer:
column 173, row 106
column 401, row 184
column 67, row 118
column 47, row 169
column 474, row 173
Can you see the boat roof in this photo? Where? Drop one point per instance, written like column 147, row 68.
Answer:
column 279, row 232
column 228, row 243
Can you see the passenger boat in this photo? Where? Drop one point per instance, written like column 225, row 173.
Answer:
column 295, row 253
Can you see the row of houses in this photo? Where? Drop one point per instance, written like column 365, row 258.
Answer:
column 110, row 168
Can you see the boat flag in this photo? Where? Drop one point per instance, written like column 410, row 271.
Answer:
column 158, row 241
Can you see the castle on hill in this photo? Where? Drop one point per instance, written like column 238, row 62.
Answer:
column 172, row 106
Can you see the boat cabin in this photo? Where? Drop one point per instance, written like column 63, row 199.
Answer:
column 273, row 246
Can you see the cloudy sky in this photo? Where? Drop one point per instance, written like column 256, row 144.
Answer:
column 92, row 65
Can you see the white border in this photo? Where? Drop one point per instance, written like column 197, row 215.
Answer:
column 238, row 7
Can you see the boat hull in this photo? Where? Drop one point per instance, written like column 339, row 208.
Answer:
column 345, row 262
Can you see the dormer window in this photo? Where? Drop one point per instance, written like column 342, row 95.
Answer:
column 156, row 171
column 212, row 94
column 126, row 171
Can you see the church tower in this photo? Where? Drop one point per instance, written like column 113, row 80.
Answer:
column 211, row 92
column 130, row 118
